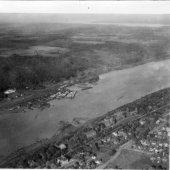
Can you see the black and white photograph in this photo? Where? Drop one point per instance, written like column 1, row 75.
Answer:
column 84, row 84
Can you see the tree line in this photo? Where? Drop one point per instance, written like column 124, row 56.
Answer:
column 31, row 71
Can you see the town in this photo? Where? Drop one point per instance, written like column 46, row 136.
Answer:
column 17, row 101
column 140, row 126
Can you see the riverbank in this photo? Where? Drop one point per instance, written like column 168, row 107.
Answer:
column 22, row 129
column 154, row 102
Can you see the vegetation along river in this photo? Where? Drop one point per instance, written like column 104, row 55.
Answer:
column 112, row 90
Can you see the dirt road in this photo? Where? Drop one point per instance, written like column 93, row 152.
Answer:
column 124, row 146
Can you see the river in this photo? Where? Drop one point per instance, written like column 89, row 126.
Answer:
column 112, row 90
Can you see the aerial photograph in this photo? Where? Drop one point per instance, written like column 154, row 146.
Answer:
column 84, row 85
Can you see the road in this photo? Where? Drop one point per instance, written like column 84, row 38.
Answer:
column 124, row 146
column 127, row 144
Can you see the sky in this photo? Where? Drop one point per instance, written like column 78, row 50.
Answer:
column 94, row 7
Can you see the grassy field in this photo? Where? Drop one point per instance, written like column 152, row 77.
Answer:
column 131, row 160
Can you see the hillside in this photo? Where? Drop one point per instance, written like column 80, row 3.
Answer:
column 35, row 53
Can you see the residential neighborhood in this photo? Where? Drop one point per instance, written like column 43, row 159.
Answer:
column 140, row 126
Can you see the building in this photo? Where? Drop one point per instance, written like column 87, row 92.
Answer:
column 115, row 134
column 10, row 91
column 142, row 121
column 108, row 122
column 119, row 115
column 121, row 133
column 62, row 146
column 12, row 94
column 71, row 95
column 90, row 134
column 134, row 112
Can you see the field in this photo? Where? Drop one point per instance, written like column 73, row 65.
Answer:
column 131, row 160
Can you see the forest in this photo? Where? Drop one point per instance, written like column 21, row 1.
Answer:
column 80, row 48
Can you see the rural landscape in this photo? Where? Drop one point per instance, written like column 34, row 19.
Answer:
column 84, row 94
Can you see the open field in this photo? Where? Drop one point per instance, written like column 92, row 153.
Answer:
column 130, row 160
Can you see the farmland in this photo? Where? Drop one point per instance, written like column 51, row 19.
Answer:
column 70, row 50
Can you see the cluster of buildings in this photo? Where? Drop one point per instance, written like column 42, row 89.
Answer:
column 11, row 94
column 94, row 143
column 156, row 144
column 41, row 102
column 66, row 93
column 119, row 115
column 160, row 146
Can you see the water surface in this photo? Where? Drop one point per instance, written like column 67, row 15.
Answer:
column 113, row 89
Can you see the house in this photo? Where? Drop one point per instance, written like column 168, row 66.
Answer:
column 139, row 147
column 119, row 115
column 12, row 94
column 72, row 94
column 150, row 107
column 62, row 146
column 151, row 149
column 115, row 134
column 160, row 144
column 160, row 150
column 108, row 121
column 133, row 112
column 144, row 142
column 115, row 142
column 164, row 159
column 166, row 144
column 152, row 158
column 158, row 161
column 98, row 162
column 53, row 96
column 163, row 128
column 158, row 121
column 142, row 122
column 93, row 157
column 108, row 139
column 90, row 134
column 156, row 150
column 64, row 162
column 159, row 133
column 153, row 143
column 10, row 91
column 67, row 163
column 121, row 133
column 159, row 158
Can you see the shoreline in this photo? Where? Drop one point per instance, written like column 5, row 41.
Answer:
column 62, row 135
column 71, row 104
column 36, row 94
